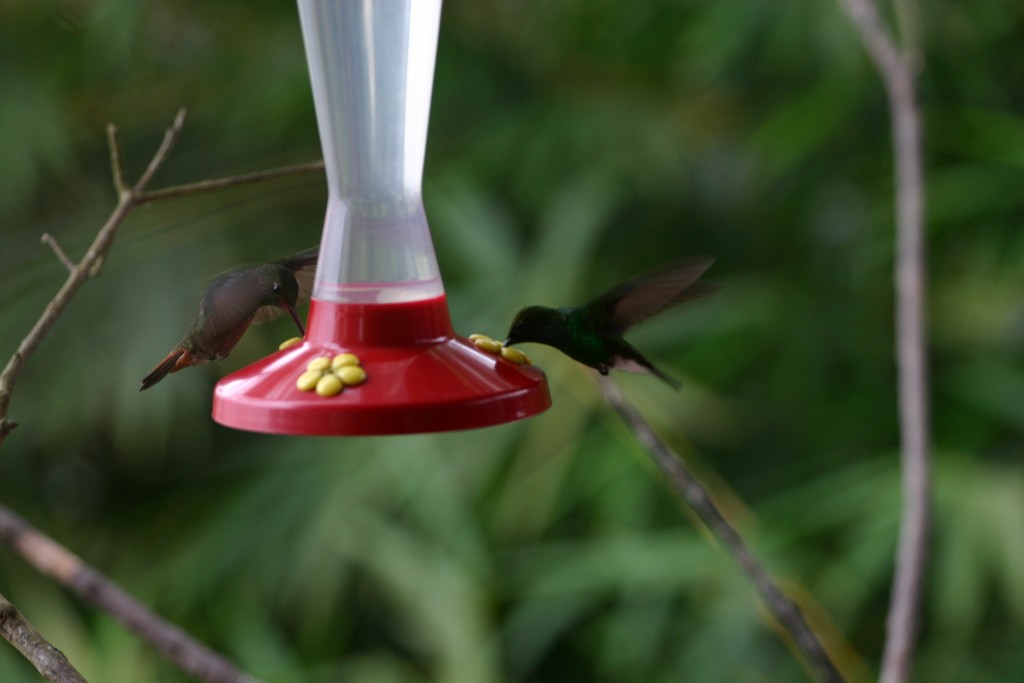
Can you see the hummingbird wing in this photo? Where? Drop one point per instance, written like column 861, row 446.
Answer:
column 225, row 312
column 650, row 293
column 303, row 267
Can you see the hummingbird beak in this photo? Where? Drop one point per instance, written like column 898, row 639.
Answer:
column 295, row 316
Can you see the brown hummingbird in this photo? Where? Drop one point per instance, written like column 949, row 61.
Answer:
column 233, row 301
column 592, row 333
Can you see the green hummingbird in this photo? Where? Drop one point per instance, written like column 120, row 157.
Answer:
column 592, row 333
column 233, row 301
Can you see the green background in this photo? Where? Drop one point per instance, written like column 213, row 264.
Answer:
column 573, row 143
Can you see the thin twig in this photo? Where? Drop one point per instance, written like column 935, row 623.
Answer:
column 874, row 35
column 57, row 562
column 47, row 659
column 117, row 166
column 908, row 20
column 53, row 312
column 86, row 268
column 49, row 239
column 221, row 183
column 688, row 487
column 129, row 197
column 898, row 72
column 166, row 145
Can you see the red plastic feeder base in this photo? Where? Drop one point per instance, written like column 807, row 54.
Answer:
column 420, row 377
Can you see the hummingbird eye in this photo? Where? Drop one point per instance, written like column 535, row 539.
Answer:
column 277, row 286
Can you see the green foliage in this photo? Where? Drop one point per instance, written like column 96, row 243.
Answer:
column 573, row 143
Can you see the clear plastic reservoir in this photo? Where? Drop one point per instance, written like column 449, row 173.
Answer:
column 371, row 64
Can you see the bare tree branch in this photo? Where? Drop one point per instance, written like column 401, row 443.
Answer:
column 128, row 197
column 221, row 183
column 898, row 71
column 47, row 659
column 83, row 270
column 688, row 487
column 57, row 562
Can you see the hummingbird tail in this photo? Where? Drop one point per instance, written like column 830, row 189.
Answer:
column 632, row 361
column 668, row 379
column 648, row 368
column 166, row 366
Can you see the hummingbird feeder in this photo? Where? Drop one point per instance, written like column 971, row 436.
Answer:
column 378, row 295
